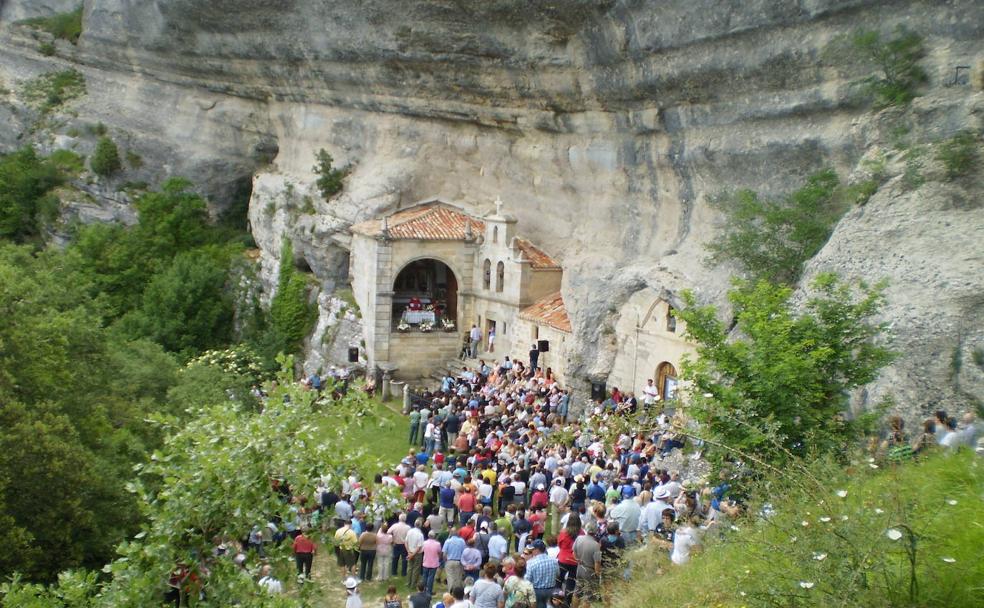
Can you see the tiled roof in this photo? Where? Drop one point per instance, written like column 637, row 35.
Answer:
column 549, row 311
column 537, row 257
column 427, row 222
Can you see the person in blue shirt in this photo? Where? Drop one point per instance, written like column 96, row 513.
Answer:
column 422, row 457
column 453, row 547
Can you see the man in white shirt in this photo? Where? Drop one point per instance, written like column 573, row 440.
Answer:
column 475, row 337
column 652, row 514
column 269, row 582
column 650, row 394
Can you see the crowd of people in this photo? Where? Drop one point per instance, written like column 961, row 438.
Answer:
column 505, row 501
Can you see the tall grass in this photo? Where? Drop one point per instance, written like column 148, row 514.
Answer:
column 872, row 535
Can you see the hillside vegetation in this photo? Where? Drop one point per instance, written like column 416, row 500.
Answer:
column 871, row 535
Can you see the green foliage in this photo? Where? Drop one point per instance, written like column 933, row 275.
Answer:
column 978, row 356
column 958, row 154
column 134, row 159
column 780, row 388
column 185, row 307
column 47, row 49
column 105, row 160
column 68, row 162
column 770, row 240
column 66, row 429
column 330, row 180
column 25, row 181
column 291, row 316
column 214, row 479
column 901, row 536
column 898, row 61
column 49, row 91
column 66, row 26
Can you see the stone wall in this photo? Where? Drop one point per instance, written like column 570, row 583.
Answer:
column 418, row 355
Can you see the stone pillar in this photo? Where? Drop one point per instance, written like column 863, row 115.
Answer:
column 387, row 376
column 406, row 399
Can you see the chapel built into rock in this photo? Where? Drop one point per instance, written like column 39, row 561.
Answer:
column 426, row 274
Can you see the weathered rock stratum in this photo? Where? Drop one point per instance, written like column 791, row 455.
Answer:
column 605, row 125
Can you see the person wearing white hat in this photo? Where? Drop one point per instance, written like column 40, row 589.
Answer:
column 652, row 514
column 352, row 599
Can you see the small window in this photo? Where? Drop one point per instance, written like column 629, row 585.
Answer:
column 495, row 234
column 487, row 274
column 500, row 275
column 670, row 320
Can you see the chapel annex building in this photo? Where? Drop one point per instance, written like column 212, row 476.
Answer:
column 424, row 275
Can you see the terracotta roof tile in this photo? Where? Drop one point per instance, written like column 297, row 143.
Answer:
column 428, row 222
column 537, row 257
column 549, row 311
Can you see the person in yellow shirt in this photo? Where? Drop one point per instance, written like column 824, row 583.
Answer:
column 347, row 549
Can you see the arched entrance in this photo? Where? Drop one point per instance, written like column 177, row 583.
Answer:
column 666, row 380
column 425, row 290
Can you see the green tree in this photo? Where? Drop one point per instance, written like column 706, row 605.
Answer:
column 898, row 61
column 105, row 159
column 173, row 220
column 771, row 239
column 25, row 181
column 290, row 314
column 186, row 308
column 781, row 385
column 120, row 262
column 213, row 479
column 330, row 180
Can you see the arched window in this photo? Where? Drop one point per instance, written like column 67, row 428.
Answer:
column 487, row 274
column 670, row 320
column 495, row 234
column 500, row 275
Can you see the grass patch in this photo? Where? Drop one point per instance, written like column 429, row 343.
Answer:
column 52, row 90
column 900, row 536
column 66, row 26
column 134, row 159
column 958, row 154
column 385, row 436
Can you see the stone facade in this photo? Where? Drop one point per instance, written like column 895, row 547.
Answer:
column 647, row 339
column 497, row 273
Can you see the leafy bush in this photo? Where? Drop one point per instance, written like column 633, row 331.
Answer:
column 67, row 26
column 330, row 180
column 106, row 158
column 861, row 537
column 898, row 60
column 185, row 308
column 770, row 240
column 291, row 316
column 25, row 181
column 958, row 154
column 780, row 388
column 68, row 162
column 49, row 91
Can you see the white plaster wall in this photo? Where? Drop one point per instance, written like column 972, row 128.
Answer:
column 643, row 342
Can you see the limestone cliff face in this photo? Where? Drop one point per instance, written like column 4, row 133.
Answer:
column 605, row 126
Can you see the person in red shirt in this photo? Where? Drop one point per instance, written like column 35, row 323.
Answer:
column 304, row 550
column 467, row 531
column 566, row 557
column 540, row 498
column 466, row 504
column 536, row 519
